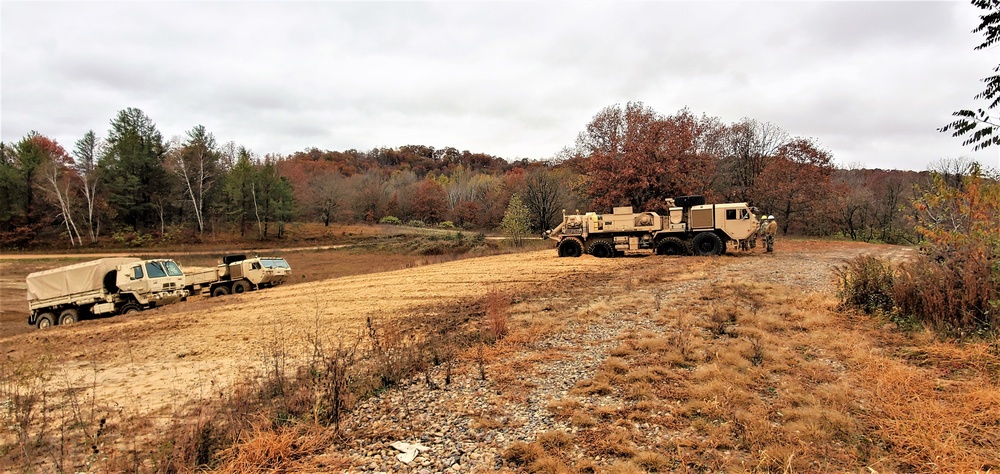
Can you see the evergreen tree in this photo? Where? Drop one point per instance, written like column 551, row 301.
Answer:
column 132, row 171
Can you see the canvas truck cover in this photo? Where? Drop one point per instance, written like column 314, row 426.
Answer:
column 72, row 279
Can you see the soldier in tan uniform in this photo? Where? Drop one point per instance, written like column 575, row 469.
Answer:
column 768, row 227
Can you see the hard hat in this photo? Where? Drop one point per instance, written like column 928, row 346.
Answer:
column 770, row 218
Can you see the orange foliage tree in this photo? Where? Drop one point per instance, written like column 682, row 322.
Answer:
column 957, row 283
column 796, row 186
column 637, row 157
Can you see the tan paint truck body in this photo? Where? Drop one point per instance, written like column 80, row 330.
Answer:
column 118, row 285
column 689, row 227
column 238, row 274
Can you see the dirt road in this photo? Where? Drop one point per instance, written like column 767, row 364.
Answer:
column 158, row 360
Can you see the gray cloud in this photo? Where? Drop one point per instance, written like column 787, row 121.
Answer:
column 870, row 81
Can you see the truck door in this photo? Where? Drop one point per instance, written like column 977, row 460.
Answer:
column 132, row 278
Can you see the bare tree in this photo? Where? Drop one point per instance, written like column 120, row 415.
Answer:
column 745, row 149
column 542, row 196
column 196, row 162
column 86, row 152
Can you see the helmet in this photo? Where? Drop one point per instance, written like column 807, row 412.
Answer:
column 770, row 218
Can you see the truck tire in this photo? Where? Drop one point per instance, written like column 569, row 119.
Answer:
column 69, row 316
column 708, row 243
column 570, row 247
column 240, row 287
column 221, row 290
column 672, row 246
column 46, row 320
column 130, row 308
column 601, row 249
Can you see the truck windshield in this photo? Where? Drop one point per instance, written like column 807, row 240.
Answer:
column 172, row 268
column 274, row 263
column 155, row 270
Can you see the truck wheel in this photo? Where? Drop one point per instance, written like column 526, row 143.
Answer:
column 240, row 287
column 672, row 246
column 221, row 290
column 601, row 249
column 130, row 308
column 707, row 243
column 68, row 316
column 570, row 248
column 45, row 320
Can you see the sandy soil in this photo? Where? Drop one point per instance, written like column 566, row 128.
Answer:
column 161, row 359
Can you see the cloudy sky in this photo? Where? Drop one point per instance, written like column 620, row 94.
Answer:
column 869, row 81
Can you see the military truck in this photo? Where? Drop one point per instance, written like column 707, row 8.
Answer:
column 238, row 274
column 689, row 227
column 120, row 285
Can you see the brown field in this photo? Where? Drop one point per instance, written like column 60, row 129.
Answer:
column 737, row 363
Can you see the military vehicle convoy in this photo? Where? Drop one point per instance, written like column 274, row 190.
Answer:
column 690, row 227
column 124, row 285
column 238, row 274
column 121, row 285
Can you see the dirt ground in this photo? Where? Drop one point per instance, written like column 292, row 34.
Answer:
column 155, row 361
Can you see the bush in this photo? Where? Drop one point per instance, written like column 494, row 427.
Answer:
column 953, row 294
column 447, row 225
column 866, row 284
column 416, row 223
column 390, row 220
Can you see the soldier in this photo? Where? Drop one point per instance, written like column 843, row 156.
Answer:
column 767, row 229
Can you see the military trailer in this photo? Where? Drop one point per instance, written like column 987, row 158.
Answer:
column 238, row 274
column 689, row 227
column 120, row 285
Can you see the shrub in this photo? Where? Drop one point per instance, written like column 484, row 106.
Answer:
column 390, row 220
column 416, row 223
column 866, row 284
column 447, row 225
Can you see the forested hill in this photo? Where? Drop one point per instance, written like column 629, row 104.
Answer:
column 132, row 186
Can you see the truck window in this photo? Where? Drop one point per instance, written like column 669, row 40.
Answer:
column 136, row 273
column 274, row 263
column 255, row 266
column 154, row 270
column 730, row 214
column 172, row 268
column 744, row 214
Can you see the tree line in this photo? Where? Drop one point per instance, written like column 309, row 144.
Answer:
column 132, row 183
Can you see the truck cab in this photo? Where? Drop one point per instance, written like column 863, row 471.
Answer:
column 161, row 279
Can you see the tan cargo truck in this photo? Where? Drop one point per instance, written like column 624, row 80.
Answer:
column 690, row 227
column 106, row 286
column 238, row 274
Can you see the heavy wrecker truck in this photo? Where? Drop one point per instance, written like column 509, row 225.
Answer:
column 119, row 285
column 237, row 274
column 689, row 227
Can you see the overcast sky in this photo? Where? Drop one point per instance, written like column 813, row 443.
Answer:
column 869, row 81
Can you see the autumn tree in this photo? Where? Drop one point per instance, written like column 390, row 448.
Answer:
column 637, row 157
column 955, row 283
column 430, row 202
column 796, row 186
column 980, row 126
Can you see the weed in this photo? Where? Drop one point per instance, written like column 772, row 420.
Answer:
column 866, row 284
column 555, row 441
column 521, row 453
